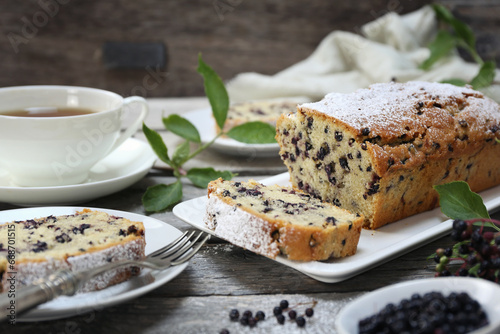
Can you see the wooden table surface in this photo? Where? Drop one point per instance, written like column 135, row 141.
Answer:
column 222, row 276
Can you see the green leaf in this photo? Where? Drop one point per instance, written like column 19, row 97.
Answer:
column 157, row 144
column 215, row 91
column 181, row 154
column 160, row 197
column 485, row 76
column 456, row 82
column 487, row 224
column 442, row 13
column 441, row 46
column 253, row 133
column 465, row 33
column 459, row 202
column 182, row 127
column 475, row 270
column 462, row 30
column 202, row 176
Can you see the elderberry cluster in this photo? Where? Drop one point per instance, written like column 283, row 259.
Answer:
column 248, row 319
column 300, row 320
column 430, row 313
column 476, row 253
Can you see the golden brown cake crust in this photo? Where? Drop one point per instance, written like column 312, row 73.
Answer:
column 439, row 120
column 411, row 136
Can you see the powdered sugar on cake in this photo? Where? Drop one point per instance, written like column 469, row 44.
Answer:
column 254, row 235
column 389, row 110
column 129, row 251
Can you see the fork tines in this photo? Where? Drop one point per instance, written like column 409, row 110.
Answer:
column 183, row 248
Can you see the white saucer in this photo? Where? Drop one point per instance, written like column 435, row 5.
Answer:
column 205, row 124
column 126, row 165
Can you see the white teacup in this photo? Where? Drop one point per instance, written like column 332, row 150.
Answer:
column 40, row 151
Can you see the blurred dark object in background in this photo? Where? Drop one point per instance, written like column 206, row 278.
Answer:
column 62, row 41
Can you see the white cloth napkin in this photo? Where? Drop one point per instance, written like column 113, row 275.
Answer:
column 391, row 48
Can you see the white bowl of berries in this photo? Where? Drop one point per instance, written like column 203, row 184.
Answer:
column 434, row 305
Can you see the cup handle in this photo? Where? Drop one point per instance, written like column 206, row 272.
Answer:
column 132, row 129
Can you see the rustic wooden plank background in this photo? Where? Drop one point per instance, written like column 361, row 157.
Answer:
column 60, row 41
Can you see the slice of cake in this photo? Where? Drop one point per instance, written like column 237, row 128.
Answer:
column 272, row 220
column 35, row 248
column 263, row 111
column 379, row 151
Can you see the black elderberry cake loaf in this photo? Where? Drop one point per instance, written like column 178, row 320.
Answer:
column 263, row 111
column 77, row 242
column 379, row 151
column 272, row 220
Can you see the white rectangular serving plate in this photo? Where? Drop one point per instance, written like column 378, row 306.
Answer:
column 375, row 246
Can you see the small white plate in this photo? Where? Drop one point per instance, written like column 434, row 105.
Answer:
column 203, row 121
column 126, row 165
column 375, row 246
column 158, row 234
column 485, row 292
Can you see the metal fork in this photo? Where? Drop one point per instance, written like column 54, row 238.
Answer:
column 65, row 282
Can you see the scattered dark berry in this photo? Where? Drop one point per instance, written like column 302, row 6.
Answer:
column 280, row 318
column 277, row 310
column 234, row 315
column 224, row 331
column 301, row 321
column 260, row 315
column 292, row 314
column 284, row 304
column 252, row 322
column 247, row 314
column 309, row 312
column 244, row 321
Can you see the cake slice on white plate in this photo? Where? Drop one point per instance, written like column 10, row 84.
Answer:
column 273, row 220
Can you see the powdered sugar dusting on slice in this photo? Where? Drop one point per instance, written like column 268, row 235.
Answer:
column 28, row 272
column 129, row 251
column 240, row 228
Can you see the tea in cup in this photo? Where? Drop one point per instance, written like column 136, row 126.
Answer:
column 53, row 135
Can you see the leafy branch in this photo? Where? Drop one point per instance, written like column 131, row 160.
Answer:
column 477, row 236
column 459, row 35
column 161, row 197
